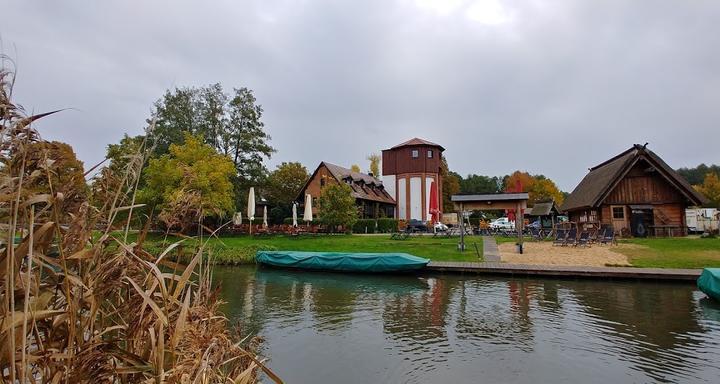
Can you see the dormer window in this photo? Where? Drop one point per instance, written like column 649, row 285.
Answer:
column 415, row 153
column 430, row 153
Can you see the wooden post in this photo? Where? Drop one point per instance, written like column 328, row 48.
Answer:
column 462, row 228
column 519, row 221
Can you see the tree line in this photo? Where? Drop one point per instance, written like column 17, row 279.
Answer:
column 203, row 148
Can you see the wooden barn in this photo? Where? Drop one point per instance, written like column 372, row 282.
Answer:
column 636, row 193
column 372, row 199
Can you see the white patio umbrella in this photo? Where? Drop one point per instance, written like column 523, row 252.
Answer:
column 307, row 215
column 265, row 224
column 294, row 215
column 251, row 206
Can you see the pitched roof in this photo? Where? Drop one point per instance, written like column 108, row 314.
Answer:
column 602, row 178
column 363, row 186
column 418, row 141
column 543, row 208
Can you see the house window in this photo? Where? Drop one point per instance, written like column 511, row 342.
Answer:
column 430, row 154
column 415, row 153
column 322, row 181
column 618, row 213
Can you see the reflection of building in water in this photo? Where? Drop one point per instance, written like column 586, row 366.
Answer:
column 651, row 343
column 419, row 316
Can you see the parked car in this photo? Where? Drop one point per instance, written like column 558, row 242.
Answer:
column 502, row 223
column 415, row 225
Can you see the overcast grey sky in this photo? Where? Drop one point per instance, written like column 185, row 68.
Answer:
column 547, row 86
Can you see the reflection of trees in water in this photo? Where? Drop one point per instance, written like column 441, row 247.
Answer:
column 654, row 326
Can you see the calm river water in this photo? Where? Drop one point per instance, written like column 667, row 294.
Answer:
column 338, row 328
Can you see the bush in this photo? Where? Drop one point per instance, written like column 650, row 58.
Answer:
column 218, row 254
column 387, row 225
column 364, row 226
column 288, row 221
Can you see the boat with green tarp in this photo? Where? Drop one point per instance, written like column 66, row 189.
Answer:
column 709, row 282
column 342, row 261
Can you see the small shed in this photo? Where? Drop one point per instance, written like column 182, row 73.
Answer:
column 546, row 212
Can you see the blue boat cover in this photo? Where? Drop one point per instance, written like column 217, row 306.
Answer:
column 709, row 282
column 342, row 261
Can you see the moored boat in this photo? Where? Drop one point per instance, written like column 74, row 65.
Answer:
column 709, row 282
column 342, row 261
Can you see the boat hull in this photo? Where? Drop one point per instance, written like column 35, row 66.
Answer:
column 342, row 261
column 709, row 282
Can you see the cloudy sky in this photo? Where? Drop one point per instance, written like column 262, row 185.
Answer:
column 547, row 86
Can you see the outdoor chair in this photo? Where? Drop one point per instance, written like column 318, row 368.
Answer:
column 608, row 236
column 571, row 237
column 583, row 240
column 560, row 236
column 536, row 234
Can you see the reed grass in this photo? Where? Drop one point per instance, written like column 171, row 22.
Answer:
column 78, row 308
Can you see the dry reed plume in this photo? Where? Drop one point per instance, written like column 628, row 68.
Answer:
column 79, row 303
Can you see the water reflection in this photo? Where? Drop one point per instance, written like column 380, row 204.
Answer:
column 320, row 327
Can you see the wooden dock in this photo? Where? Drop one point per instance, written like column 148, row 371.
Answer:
column 558, row 271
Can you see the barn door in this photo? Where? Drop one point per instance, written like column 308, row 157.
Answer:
column 619, row 218
column 640, row 222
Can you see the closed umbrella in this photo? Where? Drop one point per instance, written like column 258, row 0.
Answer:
column 307, row 215
column 251, row 206
column 265, row 224
column 434, row 203
column 294, row 215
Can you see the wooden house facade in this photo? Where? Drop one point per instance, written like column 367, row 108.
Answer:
column 636, row 193
column 371, row 198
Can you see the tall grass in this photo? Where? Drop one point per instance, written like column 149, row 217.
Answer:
column 84, row 309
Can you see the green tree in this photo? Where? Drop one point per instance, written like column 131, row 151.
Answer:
column 477, row 184
column 696, row 175
column 189, row 183
column 374, row 160
column 115, row 184
column 355, row 168
column 230, row 123
column 284, row 183
column 711, row 188
column 450, row 184
column 336, row 206
column 281, row 188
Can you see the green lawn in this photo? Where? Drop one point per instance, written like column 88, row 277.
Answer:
column 673, row 253
column 441, row 249
column 659, row 253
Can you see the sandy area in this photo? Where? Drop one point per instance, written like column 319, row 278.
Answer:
column 545, row 253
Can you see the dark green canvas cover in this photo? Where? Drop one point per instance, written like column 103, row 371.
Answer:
column 709, row 282
column 342, row 261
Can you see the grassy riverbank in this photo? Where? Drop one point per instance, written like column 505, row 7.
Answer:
column 642, row 253
column 241, row 249
column 678, row 252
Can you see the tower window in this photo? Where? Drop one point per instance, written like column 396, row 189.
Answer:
column 430, row 153
column 415, row 153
